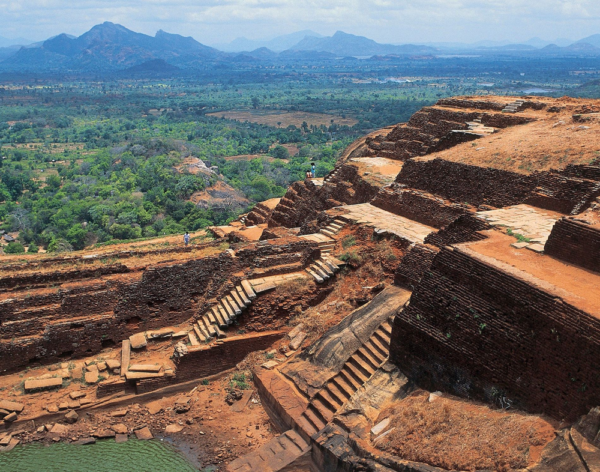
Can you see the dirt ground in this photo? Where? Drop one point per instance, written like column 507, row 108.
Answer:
column 460, row 435
column 577, row 286
column 211, row 432
column 553, row 141
column 283, row 119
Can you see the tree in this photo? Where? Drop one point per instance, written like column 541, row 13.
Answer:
column 14, row 248
column 279, row 152
column 255, row 102
column 33, row 248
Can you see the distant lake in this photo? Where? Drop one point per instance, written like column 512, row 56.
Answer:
column 104, row 456
column 536, row 90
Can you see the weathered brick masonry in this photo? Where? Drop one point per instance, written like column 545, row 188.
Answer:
column 478, row 331
column 59, row 324
column 575, row 242
column 418, row 206
column 465, row 183
column 414, row 265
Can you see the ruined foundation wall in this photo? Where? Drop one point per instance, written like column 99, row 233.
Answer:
column 576, row 243
column 465, row 183
column 478, row 331
column 414, row 265
column 57, row 325
column 204, row 362
column 418, row 206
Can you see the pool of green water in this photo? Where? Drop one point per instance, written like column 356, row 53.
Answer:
column 104, row 456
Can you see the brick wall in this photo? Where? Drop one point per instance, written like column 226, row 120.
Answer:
column 464, row 229
column 465, row 183
column 64, row 324
column 204, row 362
column 576, row 243
column 418, row 206
column 414, row 265
column 480, row 332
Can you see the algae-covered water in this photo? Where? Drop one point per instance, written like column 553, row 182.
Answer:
column 104, row 456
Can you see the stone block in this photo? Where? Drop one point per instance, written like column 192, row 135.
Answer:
column 270, row 365
column 143, row 434
column 11, row 406
column 43, row 384
column 173, row 428
column 138, row 341
column 145, row 368
column 297, row 341
column 77, row 395
column 120, row 428
column 91, row 377
column 10, row 417
column 71, row 417
column 113, row 364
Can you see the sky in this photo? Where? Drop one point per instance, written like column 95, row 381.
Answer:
column 387, row 21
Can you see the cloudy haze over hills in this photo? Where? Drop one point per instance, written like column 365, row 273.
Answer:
column 386, row 21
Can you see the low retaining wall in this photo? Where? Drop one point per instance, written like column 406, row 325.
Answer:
column 477, row 331
column 206, row 361
column 576, row 243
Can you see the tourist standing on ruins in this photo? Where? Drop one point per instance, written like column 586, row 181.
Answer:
column 313, row 170
column 186, row 238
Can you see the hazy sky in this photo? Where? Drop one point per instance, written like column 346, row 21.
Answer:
column 393, row 21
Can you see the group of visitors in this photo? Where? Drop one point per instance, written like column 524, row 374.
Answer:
column 312, row 172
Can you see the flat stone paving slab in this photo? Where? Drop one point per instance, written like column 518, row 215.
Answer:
column 531, row 222
column 370, row 215
column 43, row 384
column 11, row 406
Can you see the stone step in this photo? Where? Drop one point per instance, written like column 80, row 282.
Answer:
column 203, row 330
column 363, row 367
column 357, row 375
column 387, row 328
column 210, row 315
column 314, row 420
column 329, row 400
column 381, row 348
column 328, row 233
column 224, row 315
column 339, row 222
column 377, row 356
column 221, row 320
column 199, row 333
column 243, row 296
column 236, row 308
column 317, row 278
column 236, row 298
column 383, row 338
column 338, row 395
column 306, row 425
column 297, row 440
column 349, row 378
column 320, row 409
column 367, row 357
column 336, row 226
column 331, row 265
column 345, row 388
column 316, row 269
column 228, row 310
column 210, row 328
column 219, row 333
column 193, row 339
column 248, row 289
column 324, row 267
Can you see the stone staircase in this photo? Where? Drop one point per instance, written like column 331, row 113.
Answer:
column 332, row 175
column 513, row 107
column 333, row 228
column 285, row 451
column 324, row 268
column 355, row 372
column 222, row 314
column 477, row 127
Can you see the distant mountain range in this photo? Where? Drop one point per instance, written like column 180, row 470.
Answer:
column 278, row 44
column 344, row 44
column 111, row 47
